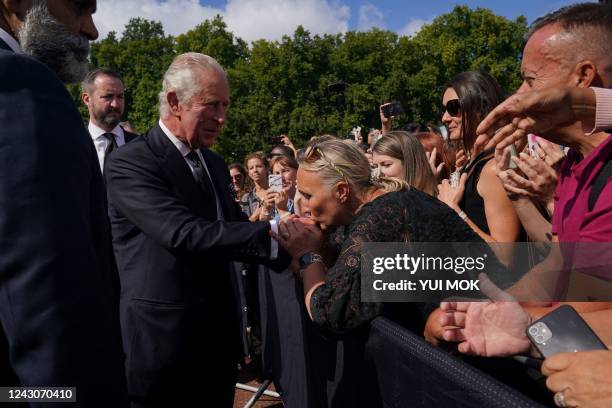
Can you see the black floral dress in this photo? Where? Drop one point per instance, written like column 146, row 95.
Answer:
column 401, row 216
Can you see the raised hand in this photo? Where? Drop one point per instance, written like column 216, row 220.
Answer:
column 538, row 112
column 432, row 157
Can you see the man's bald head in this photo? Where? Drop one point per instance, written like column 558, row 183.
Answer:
column 572, row 34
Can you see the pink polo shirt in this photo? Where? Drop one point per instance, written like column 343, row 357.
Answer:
column 572, row 221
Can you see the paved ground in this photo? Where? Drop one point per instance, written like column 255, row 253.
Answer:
column 250, row 376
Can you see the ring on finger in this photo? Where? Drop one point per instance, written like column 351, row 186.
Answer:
column 560, row 399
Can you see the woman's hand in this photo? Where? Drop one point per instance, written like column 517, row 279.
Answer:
column 299, row 236
column 385, row 122
column 432, row 157
column 460, row 159
column 583, row 378
column 281, row 199
column 452, row 196
column 269, row 199
column 536, row 178
column 551, row 153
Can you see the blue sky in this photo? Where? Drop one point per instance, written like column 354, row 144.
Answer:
column 271, row 19
column 396, row 11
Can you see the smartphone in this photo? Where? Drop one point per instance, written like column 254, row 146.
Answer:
column 532, row 143
column 276, row 140
column 563, row 330
column 511, row 163
column 392, row 109
column 275, row 182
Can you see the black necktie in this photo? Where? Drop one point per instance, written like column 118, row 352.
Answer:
column 112, row 144
column 202, row 177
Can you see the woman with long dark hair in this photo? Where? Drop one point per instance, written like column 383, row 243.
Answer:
column 479, row 198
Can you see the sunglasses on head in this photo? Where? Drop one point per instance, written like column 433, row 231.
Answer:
column 453, row 107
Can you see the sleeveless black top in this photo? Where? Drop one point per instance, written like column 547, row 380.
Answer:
column 472, row 202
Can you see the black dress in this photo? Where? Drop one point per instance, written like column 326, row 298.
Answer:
column 336, row 305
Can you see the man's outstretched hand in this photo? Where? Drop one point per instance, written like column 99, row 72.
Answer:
column 488, row 328
column 537, row 112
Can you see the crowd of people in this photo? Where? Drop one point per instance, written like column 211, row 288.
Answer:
column 126, row 259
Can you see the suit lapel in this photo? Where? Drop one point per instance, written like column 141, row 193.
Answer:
column 128, row 136
column 4, row 45
column 220, row 183
column 177, row 169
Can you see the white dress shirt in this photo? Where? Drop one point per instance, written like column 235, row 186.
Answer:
column 185, row 150
column 10, row 41
column 101, row 143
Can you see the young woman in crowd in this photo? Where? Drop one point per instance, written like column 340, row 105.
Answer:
column 240, row 183
column 399, row 154
column 257, row 166
column 334, row 179
column 480, row 198
column 281, row 202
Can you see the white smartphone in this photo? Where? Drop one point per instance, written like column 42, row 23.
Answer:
column 532, row 143
column 275, row 182
column 511, row 163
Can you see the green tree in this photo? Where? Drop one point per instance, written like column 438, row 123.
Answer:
column 283, row 86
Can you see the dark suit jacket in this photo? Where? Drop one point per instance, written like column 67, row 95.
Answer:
column 178, row 312
column 58, row 319
column 129, row 136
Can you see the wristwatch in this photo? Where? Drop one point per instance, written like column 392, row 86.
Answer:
column 309, row 258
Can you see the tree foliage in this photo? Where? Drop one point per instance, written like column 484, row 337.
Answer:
column 283, row 86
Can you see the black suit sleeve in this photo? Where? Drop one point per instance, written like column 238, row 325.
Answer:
column 140, row 191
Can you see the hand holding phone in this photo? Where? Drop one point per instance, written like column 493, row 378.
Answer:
column 275, row 182
column 563, row 330
column 392, row 109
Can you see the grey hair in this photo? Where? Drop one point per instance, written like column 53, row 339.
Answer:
column 588, row 29
column 336, row 160
column 181, row 77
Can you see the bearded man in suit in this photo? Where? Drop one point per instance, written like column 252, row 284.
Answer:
column 59, row 321
column 104, row 96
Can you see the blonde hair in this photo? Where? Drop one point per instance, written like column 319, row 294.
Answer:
column 181, row 77
column 408, row 149
column 335, row 160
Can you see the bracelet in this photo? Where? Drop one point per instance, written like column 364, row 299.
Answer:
column 462, row 215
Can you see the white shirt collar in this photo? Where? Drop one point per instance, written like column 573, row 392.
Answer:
column 95, row 131
column 182, row 147
column 10, row 41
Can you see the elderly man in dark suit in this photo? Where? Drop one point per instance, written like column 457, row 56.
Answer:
column 176, row 227
column 59, row 321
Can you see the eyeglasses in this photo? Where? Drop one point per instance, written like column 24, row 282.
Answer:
column 236, row 177
column 453, row 107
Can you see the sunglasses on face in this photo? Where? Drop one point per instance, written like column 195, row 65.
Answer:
column 453, row 107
